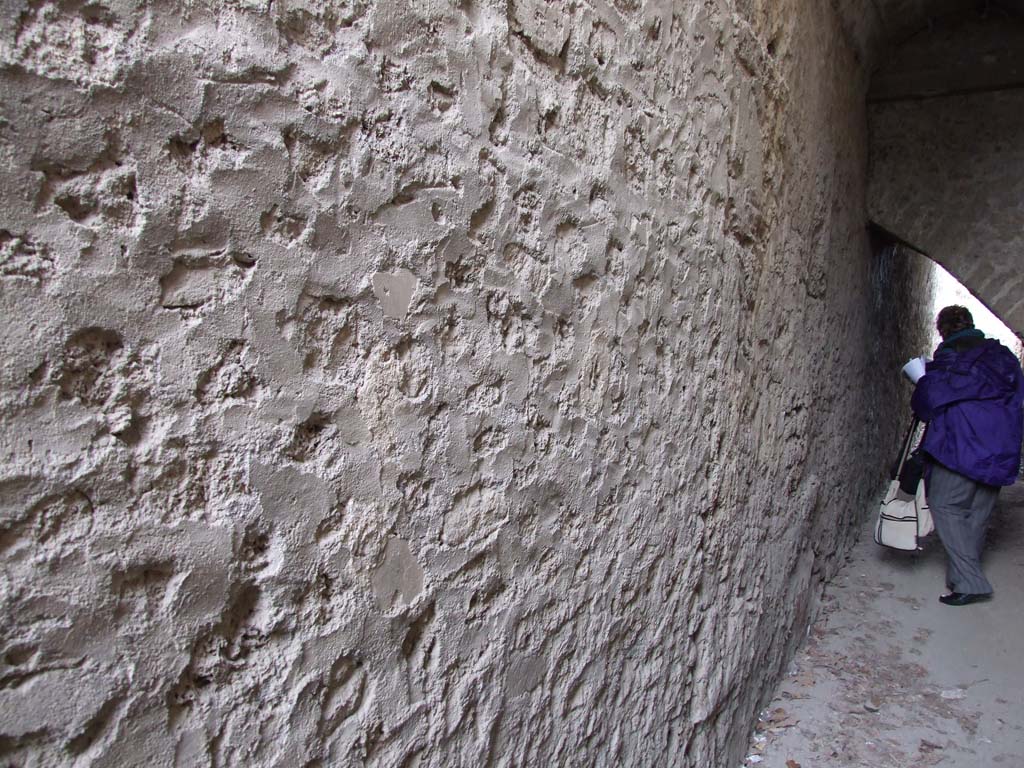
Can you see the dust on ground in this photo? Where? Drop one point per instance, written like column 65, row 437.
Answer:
column 891, row 678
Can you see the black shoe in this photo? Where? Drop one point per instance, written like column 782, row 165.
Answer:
column 961, row 598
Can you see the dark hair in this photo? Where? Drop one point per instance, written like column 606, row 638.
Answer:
column 952, row 320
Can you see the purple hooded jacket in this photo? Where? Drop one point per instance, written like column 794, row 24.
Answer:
column 972, row 396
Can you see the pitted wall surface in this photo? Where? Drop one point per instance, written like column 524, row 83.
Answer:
column 424, row 383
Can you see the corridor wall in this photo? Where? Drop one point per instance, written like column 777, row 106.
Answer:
column 429, row 383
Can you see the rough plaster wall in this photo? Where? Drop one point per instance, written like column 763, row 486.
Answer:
column 425, row 384
column 911, row 283
column 947, row 171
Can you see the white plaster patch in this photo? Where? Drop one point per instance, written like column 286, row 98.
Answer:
column 399, row 578
column 394, row 291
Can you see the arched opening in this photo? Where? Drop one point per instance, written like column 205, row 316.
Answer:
column 946, row 290
column 946, row 128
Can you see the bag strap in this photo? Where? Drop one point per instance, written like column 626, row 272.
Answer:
column 908, row 442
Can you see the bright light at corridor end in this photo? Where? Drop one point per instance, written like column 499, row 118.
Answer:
column 946, row 290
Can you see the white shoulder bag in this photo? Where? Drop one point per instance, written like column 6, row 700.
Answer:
column 904, row 518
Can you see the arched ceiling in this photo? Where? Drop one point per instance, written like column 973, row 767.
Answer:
column 901, row 19
column 876, row 27
column 946, row 125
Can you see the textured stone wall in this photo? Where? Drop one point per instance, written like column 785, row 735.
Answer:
column 425, row 383
column 947, row 153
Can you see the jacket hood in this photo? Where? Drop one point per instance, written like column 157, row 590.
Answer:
column 993, row 366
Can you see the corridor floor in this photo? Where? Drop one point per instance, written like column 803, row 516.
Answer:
column 890, row 677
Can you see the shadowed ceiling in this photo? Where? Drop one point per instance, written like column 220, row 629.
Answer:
column 875, row 27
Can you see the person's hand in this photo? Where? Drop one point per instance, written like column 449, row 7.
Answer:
column 914, row 369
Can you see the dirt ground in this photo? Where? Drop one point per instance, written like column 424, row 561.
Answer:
column 891, row 678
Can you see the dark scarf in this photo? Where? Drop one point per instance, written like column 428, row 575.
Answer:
column 961, row 340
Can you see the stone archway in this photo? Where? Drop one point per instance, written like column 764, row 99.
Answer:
column 946, row 124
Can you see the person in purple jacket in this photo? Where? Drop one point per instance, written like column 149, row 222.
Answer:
column 972, row 398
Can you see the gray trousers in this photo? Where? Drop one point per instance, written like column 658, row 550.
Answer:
column 961, row 508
